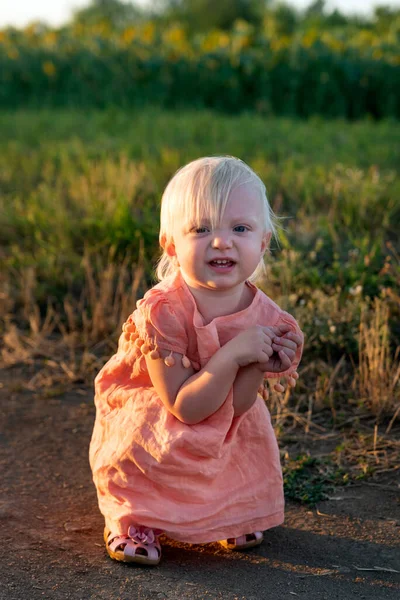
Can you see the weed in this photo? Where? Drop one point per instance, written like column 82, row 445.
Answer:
column 309, row 480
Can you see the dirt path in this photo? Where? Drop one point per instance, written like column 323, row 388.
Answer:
column 52, row 530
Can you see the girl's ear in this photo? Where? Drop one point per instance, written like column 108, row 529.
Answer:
column 265, row 241
column 169, row 247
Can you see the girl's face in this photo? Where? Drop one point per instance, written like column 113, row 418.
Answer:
column 224, row 257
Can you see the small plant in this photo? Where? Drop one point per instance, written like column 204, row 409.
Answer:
column 309, row 480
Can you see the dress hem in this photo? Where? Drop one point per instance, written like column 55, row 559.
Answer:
column 260, row 524
column 208, row 537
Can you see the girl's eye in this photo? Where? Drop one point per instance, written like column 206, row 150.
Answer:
column 200, row 230
column 240, row 228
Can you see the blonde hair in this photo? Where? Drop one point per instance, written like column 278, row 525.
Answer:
column 200, row 190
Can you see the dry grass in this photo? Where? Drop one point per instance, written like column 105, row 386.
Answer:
column 378, row 372
column 70, row 345
column 368, row 452
column 85, row 329
column 65, row 348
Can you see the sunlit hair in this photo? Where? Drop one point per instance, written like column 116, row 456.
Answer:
column 200, row 190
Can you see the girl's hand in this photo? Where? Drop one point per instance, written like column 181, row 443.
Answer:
column 253, row 345
column 285, row 345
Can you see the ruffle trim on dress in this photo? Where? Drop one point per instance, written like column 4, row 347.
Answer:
column 277, row 385
column 150, row 346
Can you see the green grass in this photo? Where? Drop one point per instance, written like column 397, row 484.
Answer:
column 148, row 134
column 77, row 184
column 75, row 180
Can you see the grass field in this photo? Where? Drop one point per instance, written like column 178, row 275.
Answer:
column 79, row 201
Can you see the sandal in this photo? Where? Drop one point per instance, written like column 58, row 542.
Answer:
column 139, row 545
column 249, row 540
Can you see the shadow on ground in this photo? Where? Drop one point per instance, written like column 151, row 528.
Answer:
column 52, row 544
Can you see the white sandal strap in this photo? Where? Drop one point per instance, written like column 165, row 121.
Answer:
column 153, row 551
column 130, row 544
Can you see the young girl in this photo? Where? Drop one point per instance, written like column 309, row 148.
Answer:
column 183, row 443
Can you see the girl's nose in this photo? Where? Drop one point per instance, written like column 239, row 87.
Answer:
column 222, row 241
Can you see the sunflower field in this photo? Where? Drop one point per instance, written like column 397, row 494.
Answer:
column 346, row 73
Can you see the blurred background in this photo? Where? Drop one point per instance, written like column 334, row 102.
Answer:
column 258, row 55
column 101, row 102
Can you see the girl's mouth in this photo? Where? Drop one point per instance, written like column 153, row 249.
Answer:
column 222, row 264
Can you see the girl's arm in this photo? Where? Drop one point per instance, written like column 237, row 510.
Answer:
column 192, row 397
column 245, row 388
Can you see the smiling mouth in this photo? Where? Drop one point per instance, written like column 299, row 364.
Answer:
column 222, row 263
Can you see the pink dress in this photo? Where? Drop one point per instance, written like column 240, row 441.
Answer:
column 218, row 479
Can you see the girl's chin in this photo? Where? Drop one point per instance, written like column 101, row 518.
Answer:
column 214, row 280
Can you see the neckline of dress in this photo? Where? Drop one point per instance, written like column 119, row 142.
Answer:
column 198, row 320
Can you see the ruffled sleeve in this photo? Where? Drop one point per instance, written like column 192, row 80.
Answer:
column 154, row 325
column 158, row 325
column 287, row 319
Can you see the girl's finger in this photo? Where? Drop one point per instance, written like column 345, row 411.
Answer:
column 268, row 337
column 286, row 362
column 289, row 353
column 282, row 329
column 285, row 342
column 269, row 331
column 297, row 339
column 266, row 355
